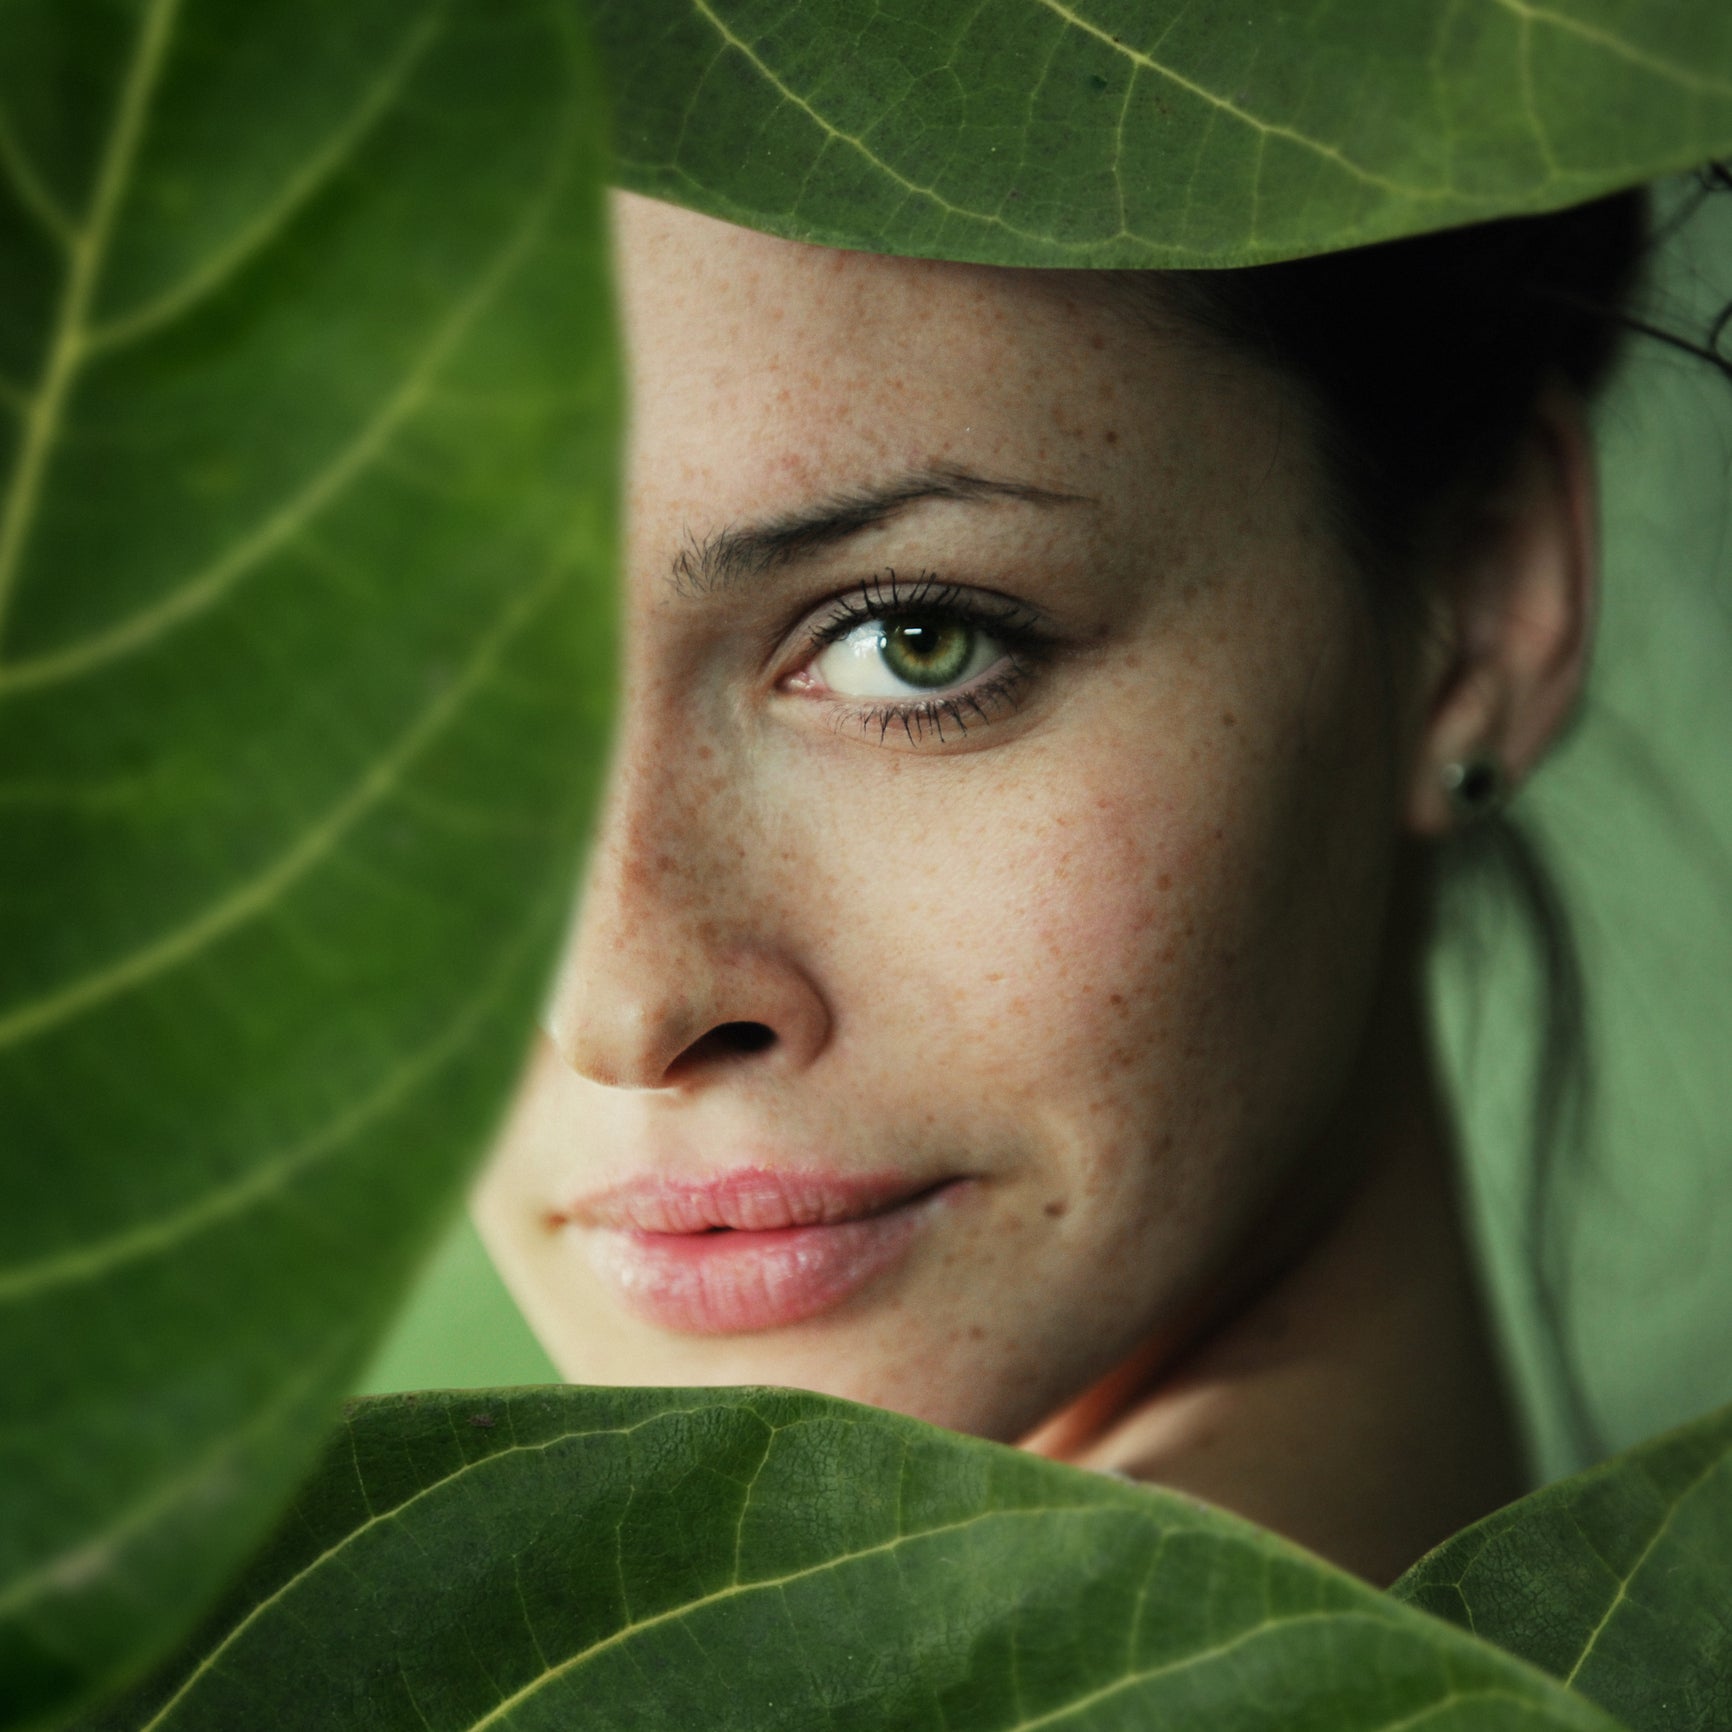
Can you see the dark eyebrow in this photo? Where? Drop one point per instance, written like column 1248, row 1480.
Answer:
column 721, row 559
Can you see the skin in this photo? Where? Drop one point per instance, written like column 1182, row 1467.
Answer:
column 1135, row 951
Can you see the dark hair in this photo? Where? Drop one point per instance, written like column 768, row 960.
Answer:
column 1421, row 360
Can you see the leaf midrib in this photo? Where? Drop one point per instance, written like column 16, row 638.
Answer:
column 316, row 172
column 88, row 251
column 841, row 1560
column 202, row 589
column 376, row 1518
column 1627, row 1578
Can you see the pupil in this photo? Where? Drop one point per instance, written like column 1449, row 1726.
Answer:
column 926, row 652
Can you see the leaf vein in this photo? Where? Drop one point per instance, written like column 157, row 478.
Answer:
column 33, row 192
column 91, row 1555
column 775, row 1583
column 1525, row 65
column 265, row 1178
column 1618, row 48
column 339, row 149
column 1628, row 1577
column 333, row 1553
column 257, row 895
column 194, row 594
column 1270, row 129
column 65, row 349
column 1169, row 1668
column 832, row 131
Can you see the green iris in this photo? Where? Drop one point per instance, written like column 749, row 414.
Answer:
column 927, row 652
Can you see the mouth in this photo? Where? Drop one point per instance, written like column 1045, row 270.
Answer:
column 752, row 1249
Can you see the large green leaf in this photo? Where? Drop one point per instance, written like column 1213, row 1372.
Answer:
column 1154, row 132
column 1618, row 1581
column 763, row 1559
column 305, row 500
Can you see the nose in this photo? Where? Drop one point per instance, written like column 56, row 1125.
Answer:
column 678, row 973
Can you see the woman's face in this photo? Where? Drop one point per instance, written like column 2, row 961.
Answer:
column 982, row 933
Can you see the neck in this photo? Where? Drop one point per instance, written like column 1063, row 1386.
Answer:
column 1352, row 1399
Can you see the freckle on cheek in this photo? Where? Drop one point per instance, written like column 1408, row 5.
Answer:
column 1057, row 1208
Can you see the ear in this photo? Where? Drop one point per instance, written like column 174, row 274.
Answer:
column 1514, row 617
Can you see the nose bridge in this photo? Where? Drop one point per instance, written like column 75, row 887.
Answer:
column 642, row 882
column 662, row 773
column 667, row 946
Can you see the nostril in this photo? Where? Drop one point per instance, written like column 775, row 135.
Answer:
column 746, row 1036
column 727, row 1040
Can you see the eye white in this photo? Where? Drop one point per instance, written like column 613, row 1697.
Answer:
column 855, row 666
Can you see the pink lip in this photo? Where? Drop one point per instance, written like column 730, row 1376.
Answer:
column 755, row 1248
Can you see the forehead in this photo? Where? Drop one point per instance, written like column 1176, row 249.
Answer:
column 764, row 370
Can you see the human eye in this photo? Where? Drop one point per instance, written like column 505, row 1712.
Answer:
column 922, row 659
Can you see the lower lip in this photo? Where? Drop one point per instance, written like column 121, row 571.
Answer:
column 736, row 1281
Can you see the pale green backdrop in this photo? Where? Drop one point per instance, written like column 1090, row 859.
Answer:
column 1636, row 814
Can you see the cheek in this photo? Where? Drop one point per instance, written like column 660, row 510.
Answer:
column 1119, row 939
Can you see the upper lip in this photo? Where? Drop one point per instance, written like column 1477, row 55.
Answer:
column 746, row 1199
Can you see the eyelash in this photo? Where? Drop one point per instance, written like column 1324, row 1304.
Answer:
column 885, row 597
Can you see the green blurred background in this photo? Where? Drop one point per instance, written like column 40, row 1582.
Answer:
column 1635, row 816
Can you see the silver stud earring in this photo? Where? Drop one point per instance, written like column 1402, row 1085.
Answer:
column 1475, row 787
